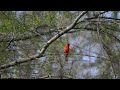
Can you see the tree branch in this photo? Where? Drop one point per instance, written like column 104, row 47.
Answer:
column 46, row 45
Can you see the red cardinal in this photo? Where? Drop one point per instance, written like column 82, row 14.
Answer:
column 66, row 51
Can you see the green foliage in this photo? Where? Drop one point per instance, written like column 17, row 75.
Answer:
column 20, row 24
column 4, row 54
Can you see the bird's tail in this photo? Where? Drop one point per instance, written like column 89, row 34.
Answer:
column 66, row 56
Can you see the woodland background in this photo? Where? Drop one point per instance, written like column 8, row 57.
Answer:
column 32, row 42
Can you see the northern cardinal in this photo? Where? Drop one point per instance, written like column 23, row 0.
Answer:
column 66, row 51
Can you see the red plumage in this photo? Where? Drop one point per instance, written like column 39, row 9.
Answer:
column 66, row 51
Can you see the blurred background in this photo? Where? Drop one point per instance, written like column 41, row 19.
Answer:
column 94, row 44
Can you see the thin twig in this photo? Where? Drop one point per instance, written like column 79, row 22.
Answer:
column 105, row 47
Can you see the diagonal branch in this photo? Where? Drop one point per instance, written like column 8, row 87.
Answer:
column 46, row 45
